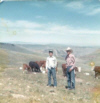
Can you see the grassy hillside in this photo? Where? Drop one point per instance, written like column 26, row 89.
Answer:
column 15, row 59
column 16, row 87
column 3, row 59
column 17, row 54
column 14, row 47
column 93, row 57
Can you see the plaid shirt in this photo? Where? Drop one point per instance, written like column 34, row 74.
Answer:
column 70, row 60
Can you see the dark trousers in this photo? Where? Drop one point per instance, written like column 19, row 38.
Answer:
column 70, row 77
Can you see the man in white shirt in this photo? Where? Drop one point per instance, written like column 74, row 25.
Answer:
column 51, row 64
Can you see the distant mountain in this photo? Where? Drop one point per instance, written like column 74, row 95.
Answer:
column 59, row 50
column 17, row 42
column 14, row 47
column 20, row 53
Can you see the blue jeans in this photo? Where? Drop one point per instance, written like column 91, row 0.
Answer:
column 52, row 72
column 70, row 77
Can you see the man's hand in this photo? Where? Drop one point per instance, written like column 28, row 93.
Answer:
column 56, row 69
column 66, row 66
column 70, row 70
column 46, row 71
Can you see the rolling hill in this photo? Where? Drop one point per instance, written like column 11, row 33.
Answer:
column 17, row 54
column 19, row 87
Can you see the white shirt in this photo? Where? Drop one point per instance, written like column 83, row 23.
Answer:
column 51, row 62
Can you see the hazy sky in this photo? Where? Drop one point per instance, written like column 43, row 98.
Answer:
column 70, row 22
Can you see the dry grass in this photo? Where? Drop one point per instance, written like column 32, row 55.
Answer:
column 3, row 59
column 16, row 87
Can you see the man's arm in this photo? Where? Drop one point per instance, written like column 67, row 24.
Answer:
column 46, row 63
column 65, row 60
column 65, row 57
column 73, row 60
column 55, row 65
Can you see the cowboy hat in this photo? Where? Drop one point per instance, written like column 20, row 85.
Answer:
column 69, row 49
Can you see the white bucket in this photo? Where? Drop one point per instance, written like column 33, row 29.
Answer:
column 79, row 69
column 41, row 69
column 20, row 68
column 43, row 72
column 87, row 73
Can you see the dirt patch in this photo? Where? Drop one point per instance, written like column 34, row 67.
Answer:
column 19, row 96
column 78, row 80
